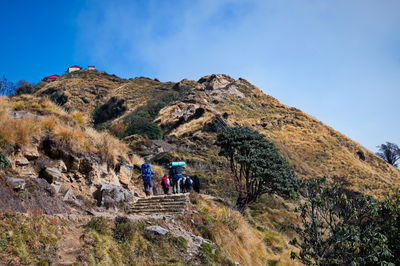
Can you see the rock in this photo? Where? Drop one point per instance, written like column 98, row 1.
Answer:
column 60, row 165
column 68, row 194
column 57, row 186
column 112, row 196
column 21, row 161
column 16, row 183
column 153, row 231
column 86, row 166
column 125, row 174
column 50, row 174
column 31, row 153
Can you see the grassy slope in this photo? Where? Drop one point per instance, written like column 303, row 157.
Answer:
column 313, row 148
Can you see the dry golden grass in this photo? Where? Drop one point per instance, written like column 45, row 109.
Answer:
column 109, row 148
column 136, row 160
column 158, row 170
column 79, row 119
column 239, row 239
column 74, row 139
column 16, row 131
column 42, row 106
column 314, row 149
column 69, row 130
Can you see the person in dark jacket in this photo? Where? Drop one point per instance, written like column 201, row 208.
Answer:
column 196, row 183
column 188, row 184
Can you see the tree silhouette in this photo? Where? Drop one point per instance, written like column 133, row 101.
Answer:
column 390, row 152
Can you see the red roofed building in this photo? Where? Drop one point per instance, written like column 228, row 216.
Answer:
column 73, row 68
column 91, row 67
column 51, row 78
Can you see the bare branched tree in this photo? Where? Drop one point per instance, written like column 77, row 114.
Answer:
column 6, row 87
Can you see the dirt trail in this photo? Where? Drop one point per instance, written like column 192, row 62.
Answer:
column 70, row 244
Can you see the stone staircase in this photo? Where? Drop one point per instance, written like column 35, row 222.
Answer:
column 162, row 204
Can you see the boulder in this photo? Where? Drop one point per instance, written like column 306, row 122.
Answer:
column 125, row 174
column 113, row 196
column 21, row 161
column 31, row 153
column 16, row 183
column 50, row 174
column 60, row 165
column 153, row 231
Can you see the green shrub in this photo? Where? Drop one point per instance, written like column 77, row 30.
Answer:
column 4, row 161
column 98, row 224
column 179, row 242
column 124, row 229
column 141, row 121
column 144, row 128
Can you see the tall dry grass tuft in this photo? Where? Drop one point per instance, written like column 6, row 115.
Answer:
column 16, row 131
column 79, row 119
column 48, row 123
column 109, row 148
column 239, row 239
column 73, row 138
column 158, row 170
column 136, row 160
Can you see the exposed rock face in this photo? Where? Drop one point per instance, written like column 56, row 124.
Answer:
column 51, row 174
column 36, row 195
column 113, row 196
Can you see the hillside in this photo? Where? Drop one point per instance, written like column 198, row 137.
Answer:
column 69, row 171
column 197, row 110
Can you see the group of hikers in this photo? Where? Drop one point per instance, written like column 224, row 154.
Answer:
column 175, row 181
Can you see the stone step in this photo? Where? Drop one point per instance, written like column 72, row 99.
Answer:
column 159, row 202
column 169, row 197
column 157, row 211
column 177, row 205
column 159, row 206
column 166, row 196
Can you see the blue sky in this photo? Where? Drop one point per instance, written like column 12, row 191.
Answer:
column 336, row 60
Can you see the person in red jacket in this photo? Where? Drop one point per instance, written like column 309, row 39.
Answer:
column 165, row 184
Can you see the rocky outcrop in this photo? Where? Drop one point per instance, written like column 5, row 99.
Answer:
column 112, row 196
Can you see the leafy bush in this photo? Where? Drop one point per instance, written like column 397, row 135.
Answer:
column 124, row 229
column 145, row 128
column 4, row 161
column 141, row 121
column 340, row 229
column 98, row 224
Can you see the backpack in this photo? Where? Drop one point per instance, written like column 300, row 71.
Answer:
column 165, row 182
column 189, row 182
column 146, row 171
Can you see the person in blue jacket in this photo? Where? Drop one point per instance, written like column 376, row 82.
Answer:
column 147, row 174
